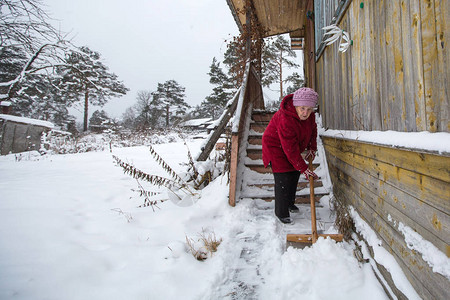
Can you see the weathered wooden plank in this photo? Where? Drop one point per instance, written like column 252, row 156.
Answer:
column 432, row 165
column 381, row 61
column 432, row 191
column 417, row 65
column 347, row 78
column 427, row 283
column 442, row 10
column 409, row 69
column 433, row 225
column 371, row 82
column 429, row 62
column 388, row 120
column 356, row 49
column 378, row 49
column 363, row 109
column 398, row 113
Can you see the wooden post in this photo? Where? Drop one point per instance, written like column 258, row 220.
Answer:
column 248, row 25
column 233, row 169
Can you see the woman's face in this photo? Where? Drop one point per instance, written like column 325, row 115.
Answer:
column 303, row 112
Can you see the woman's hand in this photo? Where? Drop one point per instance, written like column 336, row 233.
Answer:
column 311, row 153
column 308, row 173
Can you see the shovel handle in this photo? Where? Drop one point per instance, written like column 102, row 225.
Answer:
column 313, row 203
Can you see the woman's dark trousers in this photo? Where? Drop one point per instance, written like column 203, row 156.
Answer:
column 285, row 188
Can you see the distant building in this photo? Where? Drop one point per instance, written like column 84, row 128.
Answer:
column 19, row 134
column 197, row 124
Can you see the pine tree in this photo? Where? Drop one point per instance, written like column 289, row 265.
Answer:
column 89, row 80
column 214, row 104
column 297, row 82
column 233, row 62
column 276, row 55
column 170, row 96
column 99, row 117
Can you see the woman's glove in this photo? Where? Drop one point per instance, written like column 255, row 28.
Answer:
column 308, row 173
column 311, row 153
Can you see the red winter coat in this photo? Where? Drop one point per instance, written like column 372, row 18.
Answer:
column 286, row 137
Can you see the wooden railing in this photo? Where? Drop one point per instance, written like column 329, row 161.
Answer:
column 222, row 123
column 248, row 96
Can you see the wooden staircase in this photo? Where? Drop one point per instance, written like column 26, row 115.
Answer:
column 257, row 182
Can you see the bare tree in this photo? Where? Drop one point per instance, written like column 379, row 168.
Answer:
column 147, row 109
column 25, row 33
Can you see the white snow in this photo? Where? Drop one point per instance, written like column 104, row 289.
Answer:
column 383, row 257
column 437, row 260
column 27, row 121
column 71, row 228
column 438, row 141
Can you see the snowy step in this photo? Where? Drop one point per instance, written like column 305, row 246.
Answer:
column 302, row 196
column 255, row 139
column 262, row 116
column 258, row 166
column 269, row 185
column 258, row 126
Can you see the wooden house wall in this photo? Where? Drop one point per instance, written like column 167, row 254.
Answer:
column 396, row 75
column 389, row 186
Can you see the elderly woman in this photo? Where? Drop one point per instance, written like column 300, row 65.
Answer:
column 291, row 130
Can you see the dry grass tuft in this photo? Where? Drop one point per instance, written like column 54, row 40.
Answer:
column 209, row 245
column 344, row 221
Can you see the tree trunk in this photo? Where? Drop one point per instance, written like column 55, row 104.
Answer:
column 167, row 116
column 86, row 104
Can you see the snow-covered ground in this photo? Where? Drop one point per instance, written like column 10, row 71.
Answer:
column 70, row 228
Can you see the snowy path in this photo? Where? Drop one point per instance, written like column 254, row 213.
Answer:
column 249, row 238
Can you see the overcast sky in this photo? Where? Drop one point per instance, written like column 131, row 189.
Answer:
column 146, row 42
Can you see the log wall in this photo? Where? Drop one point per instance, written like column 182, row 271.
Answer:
column 396, row 75
column 387, row 186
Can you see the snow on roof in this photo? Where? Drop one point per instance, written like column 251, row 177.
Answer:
column 424, row 140
column 5, row 103
column 196, row 122
column 27, row 121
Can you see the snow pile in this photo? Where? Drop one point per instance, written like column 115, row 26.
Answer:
column 437, row 260
column 383, row 257
column 439, row 141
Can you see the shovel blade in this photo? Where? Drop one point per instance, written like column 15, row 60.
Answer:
column 308, row 238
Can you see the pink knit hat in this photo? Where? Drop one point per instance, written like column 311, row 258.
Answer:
column 305, row 97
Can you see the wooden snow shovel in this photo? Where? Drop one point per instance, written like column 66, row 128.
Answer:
column 312, row 238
